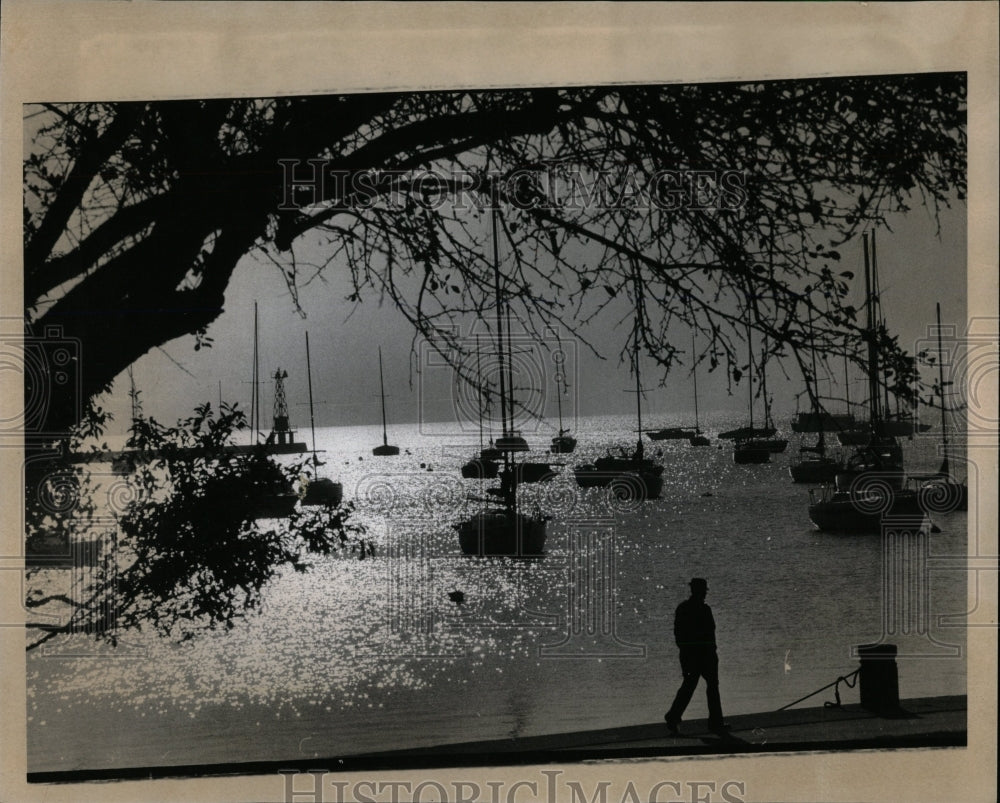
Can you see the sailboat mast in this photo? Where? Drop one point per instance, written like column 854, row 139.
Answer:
column 694, row 376
column 479, row 380
column 510, row 368
column 879, row 320
column 763, row 386
column 496, row 287
column 750, row 374
column 559, row 392
column 944, row 428
column 873, row 394
column 381, row 384
column 254, row 398
column 312, row 421
column 847, row 380
column 820, row 443
column 638, row 389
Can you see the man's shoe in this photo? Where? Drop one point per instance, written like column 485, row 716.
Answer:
column 719, row 727
column 672, row 724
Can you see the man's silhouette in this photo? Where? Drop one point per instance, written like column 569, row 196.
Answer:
column 694, row 632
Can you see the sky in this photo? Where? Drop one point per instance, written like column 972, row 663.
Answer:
column 917, row 266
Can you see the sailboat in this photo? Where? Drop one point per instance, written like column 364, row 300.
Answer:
column 318, row 490
column 482, row 467
column 953, row 493
column 815, row 466
column 631, row 476
column 697, row 439
column 751, row 444
column 563, row 443
column 502, row 529
column 386, row 449
column 890, row 426
column 871, row 484
column 675, row 433
column 822, row 421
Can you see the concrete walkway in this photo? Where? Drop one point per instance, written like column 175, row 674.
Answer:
column 924, row 722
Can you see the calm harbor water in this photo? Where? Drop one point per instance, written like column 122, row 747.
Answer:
column 358, row 656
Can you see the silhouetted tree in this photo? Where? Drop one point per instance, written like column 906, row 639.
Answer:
column 136, row 214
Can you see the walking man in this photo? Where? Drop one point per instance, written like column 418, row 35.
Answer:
column 694, row 632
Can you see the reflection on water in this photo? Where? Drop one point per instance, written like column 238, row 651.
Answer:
column 365, row 655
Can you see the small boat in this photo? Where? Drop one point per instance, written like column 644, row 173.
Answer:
column 480, row 469
column 503, row 531
column 872, row 484
column 941, row 490
column 697, row 439
column 865, row 509
column 386, row 449
column 816, row 469
column 563, row 443
column 630, row 476
column 747, row 433
column 755, row 445
column 814, row 466
column 898, row 427
column 671, row 434
column 318, row 491
column 751, row 451
column 818, row 421
column 485, row 466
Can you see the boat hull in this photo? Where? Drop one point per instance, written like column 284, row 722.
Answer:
column 626, row 484
column 533, row 472
column 671, row 434
column 867, row 512
column 816, row 471
column 750, row 454
column 498, row 533
column 823, row 422
column 563, row 444
column 386, row 450
column 746, row 433
column 480, row 469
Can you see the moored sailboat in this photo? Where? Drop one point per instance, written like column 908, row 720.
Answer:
column 318, row 491
column 503, row 530
column 814, row 465
column 697, row 439
column 386, row 449
column 563, row 443
column 941, row 490
column 482, row 467
column 629, row 476
column 870, row 487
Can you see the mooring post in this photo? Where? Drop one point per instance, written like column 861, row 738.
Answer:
column 879, row 678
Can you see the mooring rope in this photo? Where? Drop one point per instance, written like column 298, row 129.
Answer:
column 850, row 681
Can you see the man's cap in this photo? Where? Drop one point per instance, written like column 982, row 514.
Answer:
column 698, row 582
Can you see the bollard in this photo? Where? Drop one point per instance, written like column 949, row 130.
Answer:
column 879, row 678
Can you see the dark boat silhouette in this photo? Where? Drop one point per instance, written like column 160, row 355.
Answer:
column 386, row 449
column 871, row 486
column 814, row 465
column 502, row 530
column 941, row 490
column 319, row 491
column 630, row 476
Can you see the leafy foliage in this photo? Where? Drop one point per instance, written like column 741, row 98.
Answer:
column 190, row 546
column 149, row 206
